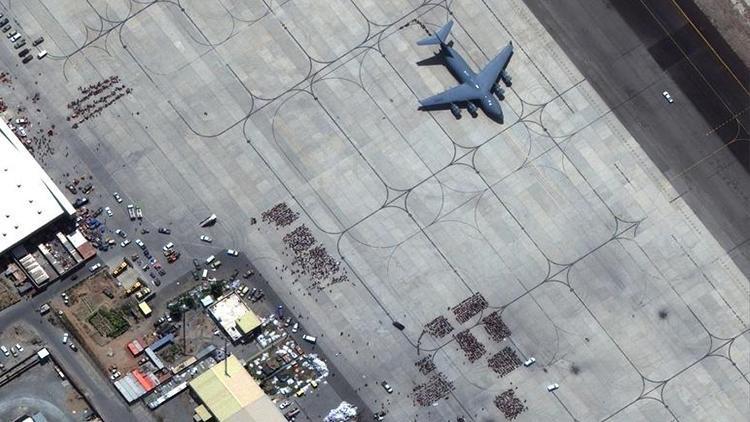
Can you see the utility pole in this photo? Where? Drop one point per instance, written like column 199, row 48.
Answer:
column 226, row 358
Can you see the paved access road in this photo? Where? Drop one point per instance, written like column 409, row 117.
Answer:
column 79, row 368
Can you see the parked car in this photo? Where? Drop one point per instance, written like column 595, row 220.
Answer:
column 232, row 252
column 121, row 233
column 124, row 243
column 5, row 350
column 6, row 28
column 27, row 59
column 12, row 34
column 23, row 52
column 65, row 338
column 18, row 346
column 19, row 44
column 95, row 267
column 552, row 387
column 206, row 239
column 38, row 41
column 667, row 97
column 117, row 197
column 108, row 210
column 387, row 387
column 164, row 230
column 140, row 244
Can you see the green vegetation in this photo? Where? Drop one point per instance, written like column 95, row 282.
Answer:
column 109, row 323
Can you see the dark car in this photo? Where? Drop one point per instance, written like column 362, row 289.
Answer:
column 4, row 22
column 38, row 41
column 23, row 52
column 80, row 201
column 6, row 28
column 157, row 282
column 164, row 230
column 196, row 264
column 28, row 59
column 19, row 44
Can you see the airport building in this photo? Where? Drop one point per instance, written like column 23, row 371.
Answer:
column 34, row 248
column 234, row 317
column 228, row 393
column 29, row 199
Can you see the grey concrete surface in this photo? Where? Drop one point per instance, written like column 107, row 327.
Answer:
column 559, row 218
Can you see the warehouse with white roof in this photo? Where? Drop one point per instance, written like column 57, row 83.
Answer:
column 29, row 199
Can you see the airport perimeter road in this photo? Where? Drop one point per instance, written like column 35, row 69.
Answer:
column 632, row 51
column 76, row 365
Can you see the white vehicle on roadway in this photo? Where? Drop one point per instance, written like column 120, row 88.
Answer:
column 553, row 387
column 95, row 267
column 232, row 252
column 117, row 197
column 667, row 97
column 108, row 210
column 65, row 338
column 206, row 239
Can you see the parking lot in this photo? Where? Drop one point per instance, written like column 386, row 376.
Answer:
column 557, row 218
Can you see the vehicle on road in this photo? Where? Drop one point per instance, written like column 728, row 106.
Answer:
column 380, row 415
column 164, row 230
column 124, row 243
column 196, row 264
column 667, row 97
column 232, row 252
column 108, row 210
column 117, row 197
column 44, row 308
column 206, row 239
column 121, row 233
column 528, row 362
column 73, row 346
column 140, row 244
column 387, row 387
column 285, row 404
column 65, row 338
column 310, row 339
column 95, row 267
column 27, row 59
column 210, row 259
column 552, row 387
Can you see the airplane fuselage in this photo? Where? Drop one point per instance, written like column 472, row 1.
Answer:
column 463, row 73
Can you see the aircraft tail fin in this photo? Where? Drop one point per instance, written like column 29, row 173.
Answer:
column 440, row 37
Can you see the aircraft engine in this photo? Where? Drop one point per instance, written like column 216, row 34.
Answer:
column 507, row 80
column 499, row 92
column 456, row 111
column 472, row 108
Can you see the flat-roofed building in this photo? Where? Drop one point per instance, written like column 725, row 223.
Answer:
column 29, row 199
column 230, row 394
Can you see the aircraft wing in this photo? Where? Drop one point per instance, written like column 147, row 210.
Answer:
column 458, row 94
column 488, row 76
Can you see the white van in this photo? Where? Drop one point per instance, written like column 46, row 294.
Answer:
column 309, row 339
column 41, row 54
column 205, row 274
column 210, row 259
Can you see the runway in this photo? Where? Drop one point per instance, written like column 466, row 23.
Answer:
column 631, row 51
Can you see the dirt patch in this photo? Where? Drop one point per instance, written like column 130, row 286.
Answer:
column 732, row 19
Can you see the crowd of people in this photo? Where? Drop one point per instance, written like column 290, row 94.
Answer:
column 309, row 258
column 425, row 365
column 433, row 390
column 472, row 348
column 471, row 306
column 439, row 327
column 323, row 269
column 280, row 215
column 504, row 361
column 495, row 327
column 509, row 404
column 299, row 240
column 95, row 98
